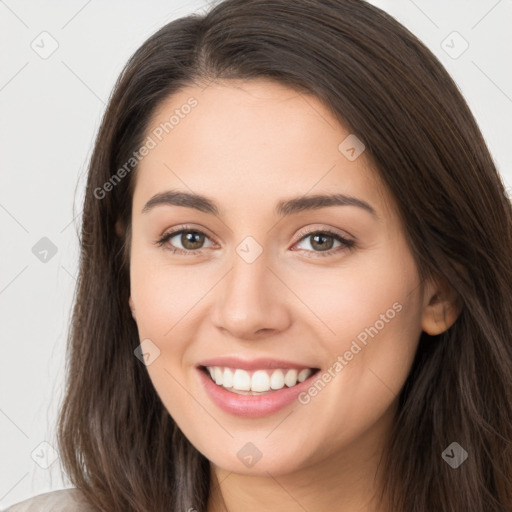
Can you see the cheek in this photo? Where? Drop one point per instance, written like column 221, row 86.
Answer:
column 374, row 313
column 164, row 299
column 162, row 294
column 377, row 289
column 370, row 315
column 169, row 302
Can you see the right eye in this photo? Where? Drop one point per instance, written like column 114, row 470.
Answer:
column 191, row 240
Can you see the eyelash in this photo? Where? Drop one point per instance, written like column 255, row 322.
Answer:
column 346, row 244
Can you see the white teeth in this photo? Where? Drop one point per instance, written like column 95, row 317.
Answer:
column 277, row 380
column 242, row 380
column 227, row 378
column 218, row 375
column 290, row 379
column 260, row 381
column 304, row 374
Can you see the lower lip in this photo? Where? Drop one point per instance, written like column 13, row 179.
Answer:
column 252, row 406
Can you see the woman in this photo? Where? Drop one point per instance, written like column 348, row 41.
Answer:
column 295, row 280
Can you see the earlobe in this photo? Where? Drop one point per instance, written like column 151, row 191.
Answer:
column 442, row 308
column 132, row 307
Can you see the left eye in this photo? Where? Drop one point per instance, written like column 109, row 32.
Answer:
column 322, row 242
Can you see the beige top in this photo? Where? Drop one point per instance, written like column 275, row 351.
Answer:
column 65, row 500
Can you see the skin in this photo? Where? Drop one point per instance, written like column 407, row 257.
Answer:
column 248, row 145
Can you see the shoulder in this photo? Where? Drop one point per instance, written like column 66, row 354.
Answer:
column 65, row 500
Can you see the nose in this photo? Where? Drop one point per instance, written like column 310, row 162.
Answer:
column 251, row 300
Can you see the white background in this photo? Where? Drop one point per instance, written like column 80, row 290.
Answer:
column 50, row 113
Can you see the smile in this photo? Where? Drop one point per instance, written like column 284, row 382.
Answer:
column 289, row 383
column 256, row 382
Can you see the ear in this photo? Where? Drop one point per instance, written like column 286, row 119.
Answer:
column 442, row 306
column 132, row 307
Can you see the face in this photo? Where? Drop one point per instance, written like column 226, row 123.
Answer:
column 332, row 288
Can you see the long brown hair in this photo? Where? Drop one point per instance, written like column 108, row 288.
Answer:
column 118, row 443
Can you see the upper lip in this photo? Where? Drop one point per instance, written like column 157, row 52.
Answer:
column 253, row 364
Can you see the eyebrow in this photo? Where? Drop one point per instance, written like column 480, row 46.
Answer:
column 283, row 208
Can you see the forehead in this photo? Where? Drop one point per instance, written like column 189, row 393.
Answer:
column 257, row 138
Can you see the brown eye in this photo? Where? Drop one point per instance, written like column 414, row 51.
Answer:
column 322, row 242
column 191, row 241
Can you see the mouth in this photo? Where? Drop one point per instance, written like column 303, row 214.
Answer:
column 257, row 381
